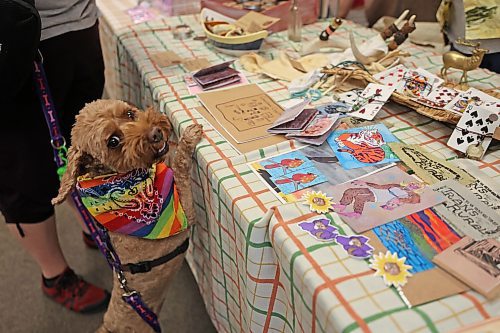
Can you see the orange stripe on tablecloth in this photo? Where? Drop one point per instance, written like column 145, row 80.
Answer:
column 329, row 283
column 295, row 220
column 273, row 298
column 477, row 304
column 492, row 165
column 332, row 286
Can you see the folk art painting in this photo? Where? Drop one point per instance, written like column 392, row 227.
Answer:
column 363, row 146
column 382, row 197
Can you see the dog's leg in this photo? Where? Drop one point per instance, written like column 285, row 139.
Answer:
column 152, row 285
column 182, row 165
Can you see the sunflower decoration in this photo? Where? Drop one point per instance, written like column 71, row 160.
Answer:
column 318, row 201
column 393, row 269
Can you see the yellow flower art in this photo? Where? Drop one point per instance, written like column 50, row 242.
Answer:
column 391, row 268
column 318, row 201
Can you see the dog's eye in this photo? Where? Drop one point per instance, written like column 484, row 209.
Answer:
column 113, row 141
column 131, row 114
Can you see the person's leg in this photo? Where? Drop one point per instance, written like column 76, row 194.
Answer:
column 41, row 242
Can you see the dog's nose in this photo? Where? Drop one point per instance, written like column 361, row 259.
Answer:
column 155, row 135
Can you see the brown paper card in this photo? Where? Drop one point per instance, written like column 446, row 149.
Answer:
column 245, row 112
column 166, row 58
column 475, row 262
column 253, row 22
column 496, row 134
column 241, row 147
column 426, row 286
column 297, row 65
column 195, row 64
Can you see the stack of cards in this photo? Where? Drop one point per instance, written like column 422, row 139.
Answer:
column 475, row 128
column 305, row 125
column 317, row 131
column 217, row 76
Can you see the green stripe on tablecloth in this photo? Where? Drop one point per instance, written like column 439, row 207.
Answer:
column 410, row 127
column 374, row 317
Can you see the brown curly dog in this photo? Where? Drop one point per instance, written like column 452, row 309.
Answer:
column 111, row 136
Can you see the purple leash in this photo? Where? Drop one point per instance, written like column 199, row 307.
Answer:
column 99, row 234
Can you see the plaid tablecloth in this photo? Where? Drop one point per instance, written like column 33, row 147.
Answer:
column 254, row 271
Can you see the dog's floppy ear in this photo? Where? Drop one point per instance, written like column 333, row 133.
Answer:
column 68, row 180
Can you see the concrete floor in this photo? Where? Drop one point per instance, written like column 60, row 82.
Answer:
column 25, row 309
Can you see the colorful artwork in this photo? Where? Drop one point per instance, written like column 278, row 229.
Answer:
column 380, row 198
column 288, row 173
column 436, row 232
column 318, row 202
column 356, row 246
column 360, row 147
column 286, row 164
column 320, row 229
column 397, row 238
column 392, row 268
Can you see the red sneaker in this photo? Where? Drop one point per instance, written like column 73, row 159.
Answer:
column 76, row 294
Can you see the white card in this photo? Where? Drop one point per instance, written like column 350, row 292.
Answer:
column 350, row 97
column 473, row 128
column 371, row 101
column 392, row 76
column 418, row 83
column 442, row 95
column 471, row 97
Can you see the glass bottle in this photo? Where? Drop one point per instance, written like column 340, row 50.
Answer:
column 294, row 22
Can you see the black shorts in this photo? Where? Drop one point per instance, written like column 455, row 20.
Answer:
column 28, row 180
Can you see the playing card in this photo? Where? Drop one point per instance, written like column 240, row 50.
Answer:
column 472, row 97
column 418, row 83
column 392, row 76
column 350, row 97
column 474, row 128
column 442, row 95
column 371, row 101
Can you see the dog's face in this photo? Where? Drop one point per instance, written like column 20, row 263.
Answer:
column 116, row 137
column 121, row 137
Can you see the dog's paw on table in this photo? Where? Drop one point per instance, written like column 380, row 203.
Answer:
column 192, row 135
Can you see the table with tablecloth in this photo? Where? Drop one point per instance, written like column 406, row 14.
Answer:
column 255, row 271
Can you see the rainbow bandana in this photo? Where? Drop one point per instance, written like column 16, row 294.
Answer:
column 142, row 203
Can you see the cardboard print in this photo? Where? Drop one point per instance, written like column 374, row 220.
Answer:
column 320, row 228
column 477, row 263
column 249, row 112
column 298, row 180
column 245, row 112
column 363, row 146
column 427, row 167
column 380, row 198
column 465, row 212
